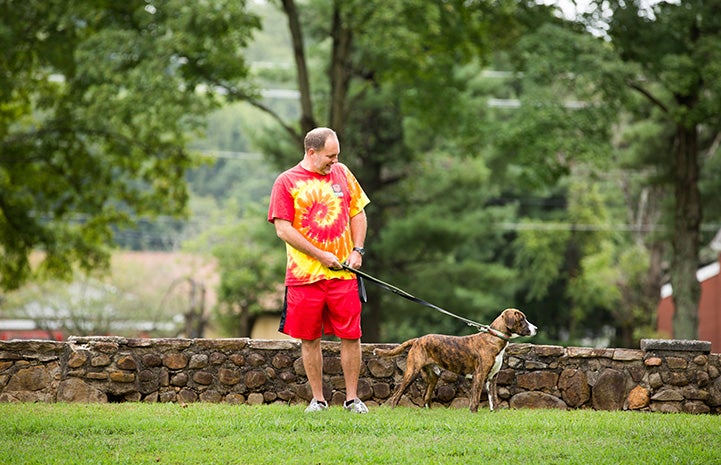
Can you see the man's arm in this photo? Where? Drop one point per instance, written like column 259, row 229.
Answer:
column 285, row 230
column 358, row 228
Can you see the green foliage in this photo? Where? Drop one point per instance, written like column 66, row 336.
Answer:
column 96, row 102
column 251, row 262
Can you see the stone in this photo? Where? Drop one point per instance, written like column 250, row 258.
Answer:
column 702, row 378
column 461, row 403
column 255, row 379
column 106, row 347
column 235, row 399
column 676, row 363
column 187, row 396
column 332, row 365
column 666, row 407
column 364, row 389
column 175, row 361
column 653, row 362
column 655, row 381
column 609, row 390
column 548, row 351
column 217, row 358
column 445, row 393
column 100, row 361
column 229, row 377
column 574, row 387
column 537, row 400
column 587, row 352
column 255, row 360
column 211, row 395
column 198, row 361
column 76, row 390
column 676, row 345
column 152, row 360
column 179, row 379
column 122, row 377
column 675, row 378
column 537, row 380
column 505, row 377
column 281, row 361
column 667, row 395
column 77, row 359
column 381, row 368
column 203, row 377
column 627, row 355
column 695, row 407
column 255, row 398
column 287, row 376
column 126, row 362
column 381, row 390
column 29, row 379
column 638, row 398
column 692, row 393
column 237, row 359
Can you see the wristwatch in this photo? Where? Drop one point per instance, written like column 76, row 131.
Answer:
column 360, row 250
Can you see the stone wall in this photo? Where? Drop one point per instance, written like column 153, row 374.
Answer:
column 662, row 376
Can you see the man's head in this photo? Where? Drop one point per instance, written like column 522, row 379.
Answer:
column 321, row 150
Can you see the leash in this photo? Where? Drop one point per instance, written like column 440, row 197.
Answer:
column 404, row 294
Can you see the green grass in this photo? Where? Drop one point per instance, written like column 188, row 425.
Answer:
column 136, row 433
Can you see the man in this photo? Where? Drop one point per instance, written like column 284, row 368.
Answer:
column 317, row 209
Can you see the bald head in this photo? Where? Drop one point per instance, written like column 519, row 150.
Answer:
column 315, row 139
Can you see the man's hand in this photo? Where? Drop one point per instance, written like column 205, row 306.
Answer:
column 355, row 260
column 329, row 260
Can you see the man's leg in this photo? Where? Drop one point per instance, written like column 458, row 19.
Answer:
column 313, row 364
column 350, row 360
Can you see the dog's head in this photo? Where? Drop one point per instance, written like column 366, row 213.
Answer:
column 516, row 323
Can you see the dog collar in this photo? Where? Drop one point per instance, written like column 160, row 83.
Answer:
column 494, row 332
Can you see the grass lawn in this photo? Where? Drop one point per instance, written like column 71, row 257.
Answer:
column 136, row 433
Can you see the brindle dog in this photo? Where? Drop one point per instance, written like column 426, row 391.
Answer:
column 479, row 355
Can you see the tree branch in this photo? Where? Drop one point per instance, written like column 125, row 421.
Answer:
column 635, row 86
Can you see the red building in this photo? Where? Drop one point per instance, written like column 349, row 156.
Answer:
column 709, row 310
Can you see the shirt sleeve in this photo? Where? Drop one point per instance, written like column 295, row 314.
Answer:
column 281, row 201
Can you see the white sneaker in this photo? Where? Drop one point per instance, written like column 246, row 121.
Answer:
column 356, row 406
column 316, row 406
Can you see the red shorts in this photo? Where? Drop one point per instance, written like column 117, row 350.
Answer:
column 329, row 306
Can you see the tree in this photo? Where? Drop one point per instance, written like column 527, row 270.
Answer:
column 368, row 69
column 677, row 49
column 96, row 102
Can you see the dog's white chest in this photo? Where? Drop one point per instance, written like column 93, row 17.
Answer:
column 497, row 364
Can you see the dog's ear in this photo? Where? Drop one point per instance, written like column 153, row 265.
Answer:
column 512, row 318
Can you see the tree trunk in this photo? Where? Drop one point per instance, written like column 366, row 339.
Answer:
column 307, row 120
column 687, row 226
column 340, row 67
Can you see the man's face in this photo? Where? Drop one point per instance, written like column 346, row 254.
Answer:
column 322, row 160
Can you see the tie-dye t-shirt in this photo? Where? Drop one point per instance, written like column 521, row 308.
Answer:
column 320, row 207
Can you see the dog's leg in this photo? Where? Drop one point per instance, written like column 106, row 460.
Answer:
column 476, row 390
column 491, row 389
column 412, row 370
column 407, row 378
column 430, row 376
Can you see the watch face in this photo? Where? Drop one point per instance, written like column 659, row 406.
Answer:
column 360, row 250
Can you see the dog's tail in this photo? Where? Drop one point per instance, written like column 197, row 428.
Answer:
column 395, row 350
